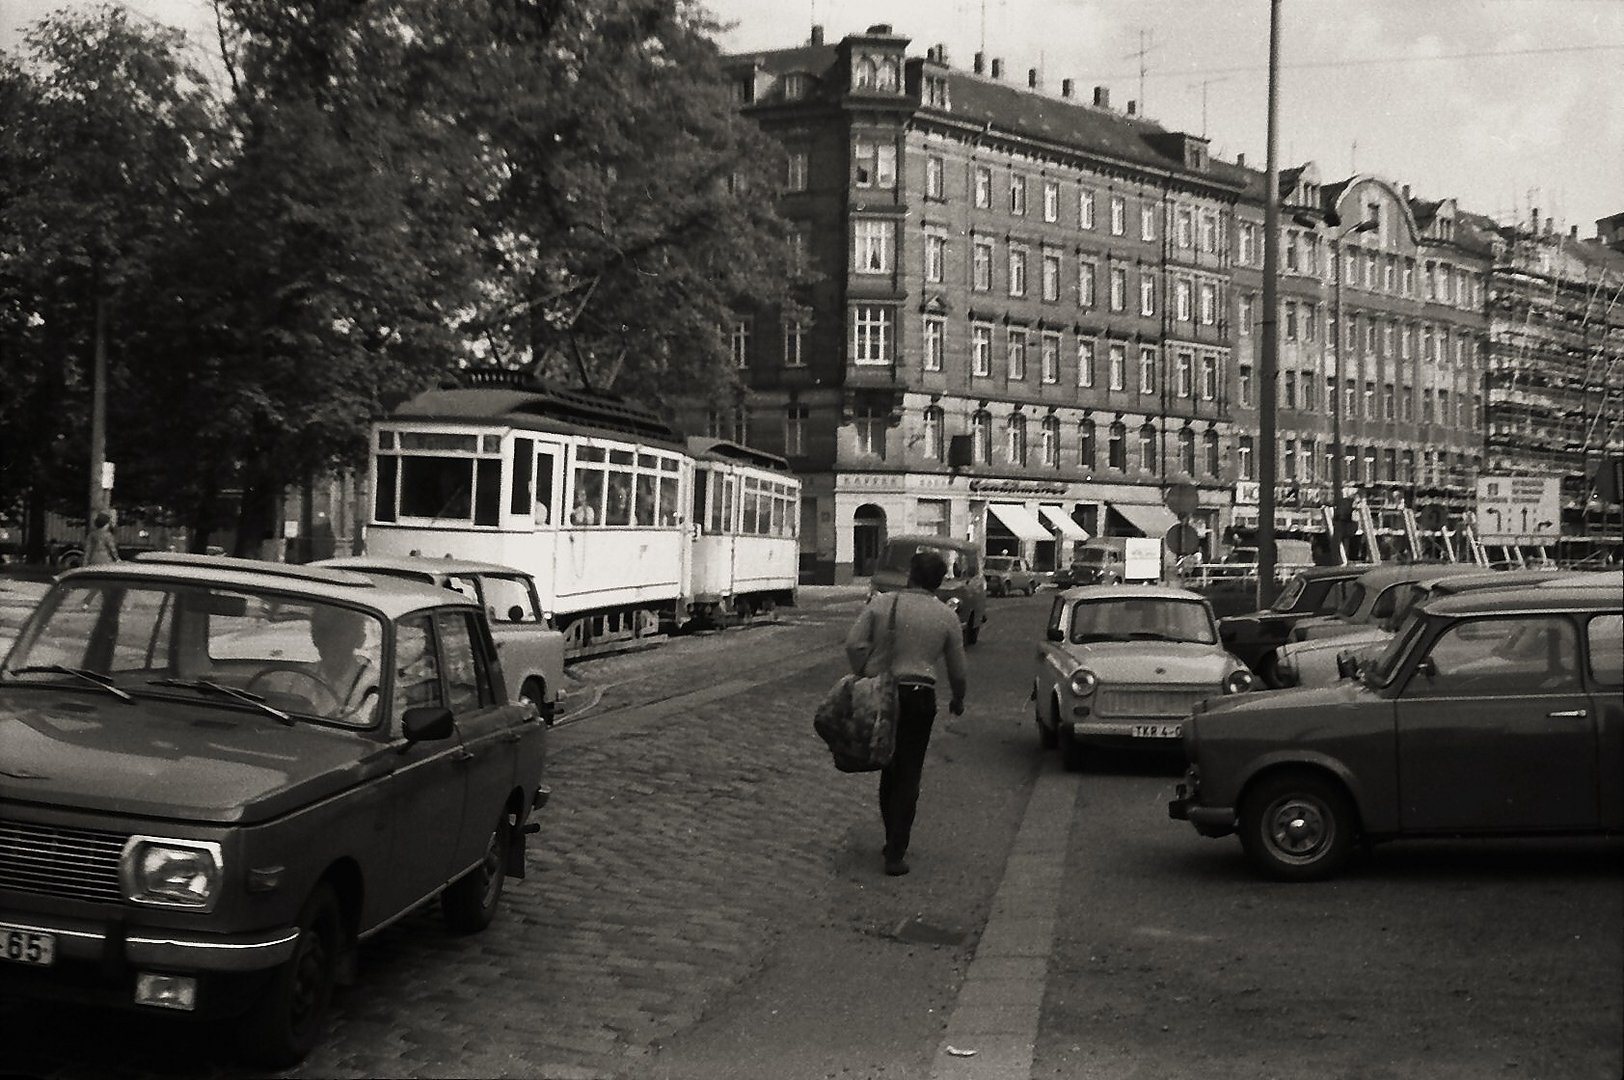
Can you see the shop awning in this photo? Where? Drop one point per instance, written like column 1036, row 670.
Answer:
column 1151, row 521
column 1061, row 520
column 1020, row 521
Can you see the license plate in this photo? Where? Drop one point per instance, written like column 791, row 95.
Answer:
column 1157, row 731
column 27, row 946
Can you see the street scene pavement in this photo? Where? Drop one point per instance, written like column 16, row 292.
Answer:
column 705, row 900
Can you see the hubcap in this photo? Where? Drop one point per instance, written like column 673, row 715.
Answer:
column 1299, row 827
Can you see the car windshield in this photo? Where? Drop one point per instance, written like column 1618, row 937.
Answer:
column 282, row 655
column 1409, row 596
column 1289, row 595
column 959, row 563
column 1142, row 619
column 1095, row 557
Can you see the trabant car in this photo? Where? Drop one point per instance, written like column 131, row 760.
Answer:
column 1373, row 597
column 1122, row 665
column 1496, row 712
column 1319, row 590
column 220, row 775
column 964, row 589
column 532, row 650
column 1008, row 574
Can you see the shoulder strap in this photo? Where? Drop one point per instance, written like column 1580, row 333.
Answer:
column 891, row 634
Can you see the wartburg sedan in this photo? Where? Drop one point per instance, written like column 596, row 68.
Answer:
column 1492, row 713
column 1123, row 665
column 219, row 775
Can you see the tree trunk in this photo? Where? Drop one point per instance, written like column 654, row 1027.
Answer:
column 257, row 518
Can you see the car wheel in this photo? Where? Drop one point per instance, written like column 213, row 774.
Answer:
column 534, row 692
column 469, row 903
column 1049, row 734
column 288, row 1020
column 1071, row 751
column 1297, row 827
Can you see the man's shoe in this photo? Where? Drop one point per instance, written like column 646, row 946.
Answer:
column 896, row 867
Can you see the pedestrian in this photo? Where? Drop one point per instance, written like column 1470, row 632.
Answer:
column 927, row 634
column 102, row 545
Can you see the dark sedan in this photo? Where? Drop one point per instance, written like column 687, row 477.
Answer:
column 1318, row 590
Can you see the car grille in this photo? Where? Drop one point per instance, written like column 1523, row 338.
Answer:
column 52, row 860
column 1177, row 702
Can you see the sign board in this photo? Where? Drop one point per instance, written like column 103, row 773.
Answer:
column 107, row 476
column 1141, row 558
column 1247, row 493
column 1182, row 539
column 1519, row 509
column 1182, row 499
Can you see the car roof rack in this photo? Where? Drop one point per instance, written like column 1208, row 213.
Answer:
column 320, row 575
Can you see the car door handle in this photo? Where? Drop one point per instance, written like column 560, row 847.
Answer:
column 1576, row 713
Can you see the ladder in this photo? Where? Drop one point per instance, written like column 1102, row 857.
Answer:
column 1367, row 526
column 1328, row 515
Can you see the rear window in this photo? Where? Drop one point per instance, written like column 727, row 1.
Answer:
column 960, row 563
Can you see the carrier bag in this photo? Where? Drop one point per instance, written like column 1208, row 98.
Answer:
column 858, row 716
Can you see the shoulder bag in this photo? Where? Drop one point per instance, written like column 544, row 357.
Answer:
column 858, row 716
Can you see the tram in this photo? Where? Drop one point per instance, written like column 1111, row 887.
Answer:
column 628, row 530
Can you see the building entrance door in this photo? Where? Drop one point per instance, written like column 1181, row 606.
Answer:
column 867, row 537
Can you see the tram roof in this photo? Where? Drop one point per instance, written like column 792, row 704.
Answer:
column 710, row 449
column 565, row 412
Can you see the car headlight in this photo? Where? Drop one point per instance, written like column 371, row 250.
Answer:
column 171, row 873
column 1238, row 681
column 1083, row 682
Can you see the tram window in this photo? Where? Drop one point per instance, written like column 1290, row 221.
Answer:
column 524, row 451
column 701, row 487
column 646, row 484
column 384, row 501
column 544, row 487
column 588, row 505
column 488, row 492
column 436, row 487
column 669, row 514
column 619, row 508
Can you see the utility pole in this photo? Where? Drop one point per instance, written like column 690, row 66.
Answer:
column 1269, row 362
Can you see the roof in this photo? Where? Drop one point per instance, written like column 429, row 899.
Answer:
column 539, row 409
column 1350, row 570
column 1598, row 597
column 1391, row 573
column 933, row 540
column 391, row 599
column 1475, row 577
column 710, row 449
column 418, row 564
column 1131, row 592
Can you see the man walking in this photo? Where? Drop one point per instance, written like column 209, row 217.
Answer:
column 926, row 633
column 102, row 545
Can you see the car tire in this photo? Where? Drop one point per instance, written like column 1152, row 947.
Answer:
column 1071, row 751
column 534, row 691
column 469, row 903
column 288, row 1020
column 1049, row 734
column 1297, row 826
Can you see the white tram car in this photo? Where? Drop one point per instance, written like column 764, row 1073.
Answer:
column 591, row 496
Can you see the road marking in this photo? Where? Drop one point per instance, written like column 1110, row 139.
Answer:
column 997, row 1010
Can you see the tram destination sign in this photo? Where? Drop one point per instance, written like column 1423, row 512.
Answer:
column 1518, row 509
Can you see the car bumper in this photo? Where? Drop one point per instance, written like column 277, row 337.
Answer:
column 84, row 939
column 1208, row 820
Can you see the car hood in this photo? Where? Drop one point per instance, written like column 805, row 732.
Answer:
column 1353, row 639
column 1154, row 661
column 1298, row 701
column 169, row 759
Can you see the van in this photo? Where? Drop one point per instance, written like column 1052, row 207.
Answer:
column 964, row 589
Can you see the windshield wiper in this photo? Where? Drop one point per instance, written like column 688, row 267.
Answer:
column 93, row 678
column 226, row 691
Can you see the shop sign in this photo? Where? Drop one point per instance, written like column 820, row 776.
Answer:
column 1248, row 493
column 1017, row 487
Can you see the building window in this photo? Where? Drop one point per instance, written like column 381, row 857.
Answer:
column 1119, row 288
column 1243, row 315
column 1209, row 303
column 1017, row 194
column 1147, row 295
column 1244, row 376
column 1086, row 286
column 934, row 426
column 1389, row 402
column 1183, row 308
column 1209, row 376
column 935, row 256
column 1119, row 215
column 1291, row 320
column 1085, row 445
column 1119, row 366
column 875, row 163
column 871, row 334
column 1209, row 443
column 740, row 344
column 871, row 426
column 794, row 430
column 1050, row 359
column 1017, row 270
column 1209, row 233
column 1290, row 387
column 981, row 266
column 1085, row 363
column 1051, row 275
column 797, row 251
column 981, row 437
column 1370, row 401
column 1116, row 448
column 1049, row 438
column 1147, row 222
column 1246, row 246
column 1310, row 385
column 1147, row 369
column 1186, row 374
column 1085, row 210
column 864, row 73
column 983, row 187
column 872, row 247
column 1051, row 201
column 936, row 93
column 1243, row 456
column 794, row 344
column 794, row 86
column 1187, row 451
column 935, row 177
column 1288, row 460
column 1017, row 439
column 1147, row 447
column 795, row 173
column 1016, row 355
column 1184, row 229
column 981, row 350
column 935, row 342
column 1308, row 458
column 1406, row 404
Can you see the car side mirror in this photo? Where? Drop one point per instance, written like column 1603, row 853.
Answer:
column 1056, row 634
column 427, row 723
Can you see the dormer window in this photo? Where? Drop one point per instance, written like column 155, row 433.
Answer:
column 936, row 92
column 864, row 74
column 889, row 77
column 794, row 86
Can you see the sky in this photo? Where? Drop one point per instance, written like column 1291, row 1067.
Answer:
column 1505, row 105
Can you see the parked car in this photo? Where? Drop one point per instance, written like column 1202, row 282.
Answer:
column 1374, row 596
column 964, row 589
column 1319, row 590
column 1321, row 661
column 220, row 775
column 1495, row 712
column 1007, row 574
column 1122, row 665
column 532, row 651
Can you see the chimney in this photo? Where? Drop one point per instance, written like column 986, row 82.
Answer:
column 980, row 64
column 1102, row 97
column 1240, row 160
column 1533, row 226
column 1067, row 88
column 880, row 28
column 997, row 68
column 941, row 54
column 817, row 35
column 1405, row 189
column 1133, row 108
column 1032, row 79
column 1573, row 232
column 1550, row 225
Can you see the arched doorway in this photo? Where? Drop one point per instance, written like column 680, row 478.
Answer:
column 867, row 537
